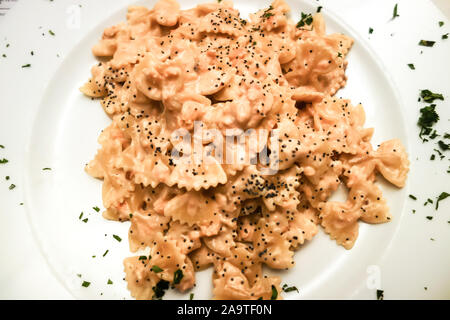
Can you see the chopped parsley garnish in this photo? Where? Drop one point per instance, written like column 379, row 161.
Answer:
column 370, row 30
column 117, row 237
column 7, row 177
column 274, row 293
column 109, row 281
column 47, row 169
column 51, row 32
column 267, row 13
column 305, row 19
column 142, row 258
column 442, row 196
column 191, row 296
column 411, row 66
column 106, row 252
column 441, row 23
column 160, row 289
column 444, row 36
column 177, row 276
column 85, row 220
column 395, row 13
column 429, row 217
column 429, row 96
column 428, row 117
column 26, row 65
column 319, row 8
column 2, row 146
column 380, row 294
column 96, row 209
column 426, row 43
column 12, row 186
column 81, row 216
column 444, row 146
column 156, row 269
column 413, row 197
column 439, row 153
column 427, row 202
column 3, row 161
column 86, row 284
column 286, row 288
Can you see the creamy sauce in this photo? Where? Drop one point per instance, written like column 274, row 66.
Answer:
column 167, row 68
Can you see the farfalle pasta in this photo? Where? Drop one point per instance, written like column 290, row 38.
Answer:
column 165, row 71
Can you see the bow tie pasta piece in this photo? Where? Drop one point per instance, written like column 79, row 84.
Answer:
column 372, row 204
column 166, row 12
column 272, row 248
column 393, row 162
column 187, row 238
column 273, row 17
column 167, row 259
column 140, row 279
column 340, row 221
column 144, row 230
column 224, row 21
column 302, row 226
column 194, row 208
column 203, row 258
column 231, row 284
column 221, row 243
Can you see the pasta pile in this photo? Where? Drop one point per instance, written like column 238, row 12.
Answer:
column 164, row 70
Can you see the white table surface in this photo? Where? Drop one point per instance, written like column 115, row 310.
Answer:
column 26, row 274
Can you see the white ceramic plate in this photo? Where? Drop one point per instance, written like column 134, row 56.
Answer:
column 63, row 137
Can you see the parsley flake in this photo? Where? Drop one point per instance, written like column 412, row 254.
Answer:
column 286, row 288
column 442, row 196
column 305, row 19
column 429, row 96
column 160, row 289
column 380, row 294
column 426, row 43
column 274, row 293
column 156, row 269
column 177, row 276
column 395, row 13
column 117, row 237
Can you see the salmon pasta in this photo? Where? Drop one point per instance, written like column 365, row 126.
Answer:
column 206, row 73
